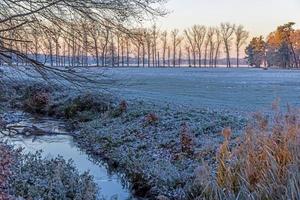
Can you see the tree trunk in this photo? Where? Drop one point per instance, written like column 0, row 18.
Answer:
column 51, row 53
column 158, row 60
column 118, row 52
column 179, row 59
column 205, row 55
column 138, row 56
column 97, row 53
column 164, row 56
column 294, row 56
column 144, row 53
column 189, row 57
column 122, row 53
column 127, row 52
column 237, row 57
column 169, row 57
column 200, row 63
column 217, row 54
column 228, row 56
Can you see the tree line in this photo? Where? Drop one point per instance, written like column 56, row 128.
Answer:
column 93, row 43
column 43, row 34
column 281, row 48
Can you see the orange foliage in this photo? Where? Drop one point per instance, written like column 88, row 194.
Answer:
column 295, row 38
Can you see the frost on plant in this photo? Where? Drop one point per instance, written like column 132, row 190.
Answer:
column 39, row 178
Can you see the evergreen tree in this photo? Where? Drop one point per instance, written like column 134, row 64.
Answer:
column 256, row 52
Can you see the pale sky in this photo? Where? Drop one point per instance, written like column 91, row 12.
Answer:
column 260, row 17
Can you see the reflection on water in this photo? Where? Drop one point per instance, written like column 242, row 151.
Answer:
column 63, row 145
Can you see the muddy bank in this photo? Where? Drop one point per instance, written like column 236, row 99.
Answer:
column 157, row 148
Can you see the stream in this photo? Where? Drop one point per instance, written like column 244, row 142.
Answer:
column 60, row 142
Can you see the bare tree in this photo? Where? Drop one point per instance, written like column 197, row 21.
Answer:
column 206, row 43
column 112, row 48
column 200, row 32
column 176, row 40
column 148, row 39
column 65, row 16
column 169, row 56
column 192, row 39
column 155, row 34
column 127, row 40
column 36, row 36
column 56, row 34
column 211, row 42
column 118, row 35
column 104, row 41
column 227, row 31
column 49, row 45
column 143, row 42
column 138, row 42
column 85, row 43
column 240, row 39
column 218, row 41
column 95, row 33
column 188, row 50
column 180, row 56
column 164, row 36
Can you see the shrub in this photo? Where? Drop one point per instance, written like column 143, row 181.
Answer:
column 151, row 119
column 87, row 103
column 29, row 176
column 186, row 139
column 122, row 108
column 36, row 99
column 37, row 102
column 39, row 178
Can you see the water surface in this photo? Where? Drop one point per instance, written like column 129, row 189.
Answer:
column 53, row 145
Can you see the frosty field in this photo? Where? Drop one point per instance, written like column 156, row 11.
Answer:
column 242, row 89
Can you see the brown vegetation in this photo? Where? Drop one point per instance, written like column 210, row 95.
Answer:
column 264, row 165
column 151, row 118
column 36, row 98
column 186, row 140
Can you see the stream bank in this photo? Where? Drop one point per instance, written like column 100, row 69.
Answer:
column 158, row 149
column 52, row 139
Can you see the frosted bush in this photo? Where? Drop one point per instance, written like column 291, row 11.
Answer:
column 37, row 178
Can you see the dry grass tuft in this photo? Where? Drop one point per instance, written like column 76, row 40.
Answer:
column 151, row 119
column 264, row 165
column 186, row 139
column 37, row 101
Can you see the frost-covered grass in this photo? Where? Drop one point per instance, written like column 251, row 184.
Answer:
column 152, row 147
column 7, row 157
column 37, row 178
column 158, row 148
